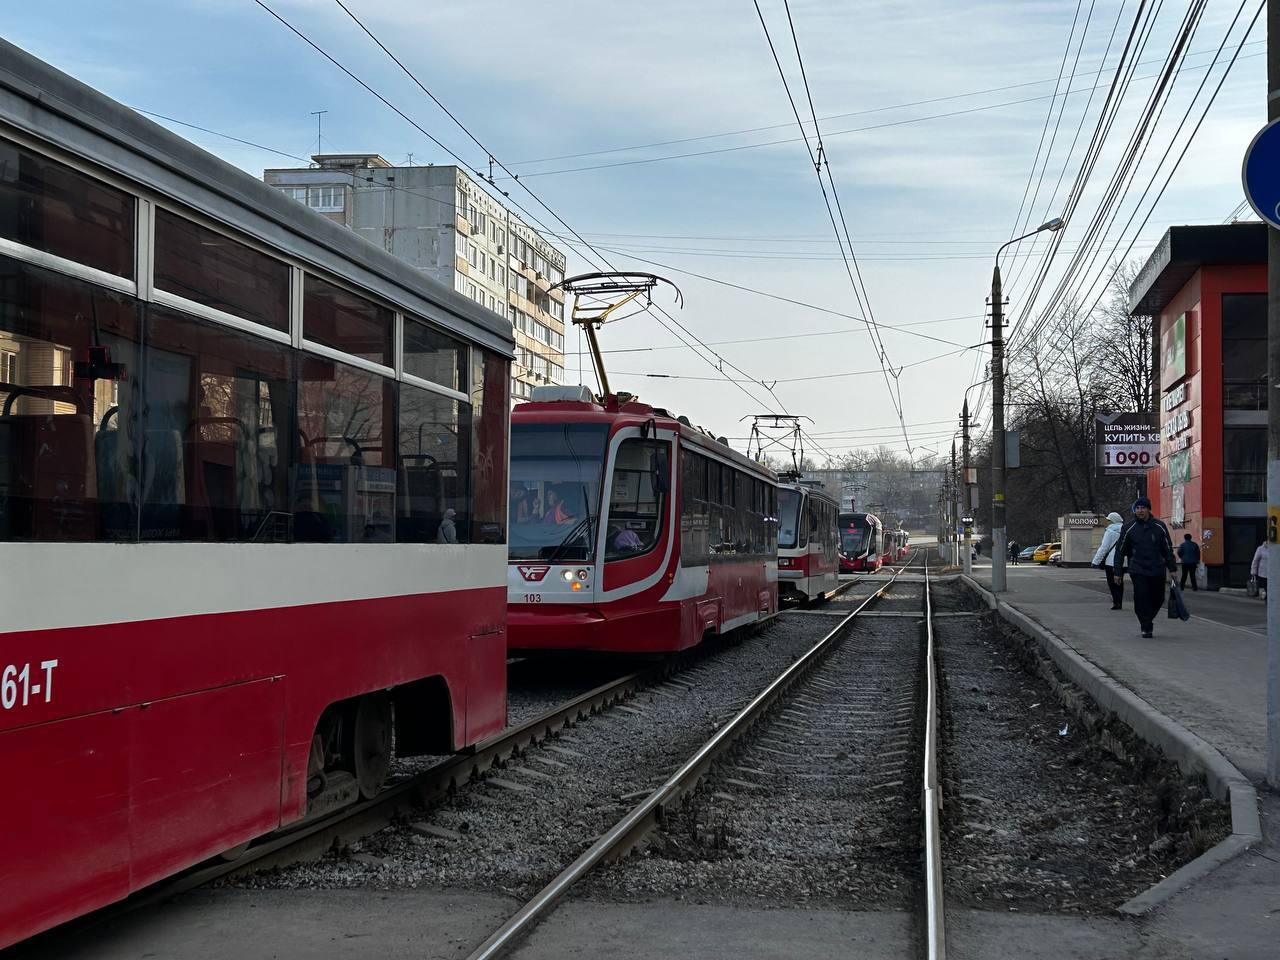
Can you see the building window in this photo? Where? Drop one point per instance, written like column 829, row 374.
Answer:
column 209, row 268
column 50, row 207
column 328, row 199
column 1244, row 351
column 471, row 290
column 1244, row 464
column 347, row 322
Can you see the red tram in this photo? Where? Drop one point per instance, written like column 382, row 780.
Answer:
column 252, row 506
column 808, row 542
column 632, row 531
column 861, row 543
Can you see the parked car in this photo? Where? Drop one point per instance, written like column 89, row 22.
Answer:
column 1045, row 551
column 1026, row 553
column 1056, row 558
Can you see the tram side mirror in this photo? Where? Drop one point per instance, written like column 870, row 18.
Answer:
column 660, row 471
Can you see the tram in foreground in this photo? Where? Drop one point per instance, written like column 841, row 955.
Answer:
column 808, row 542
column 632, row 531
column 252, row 506
column 861, row 543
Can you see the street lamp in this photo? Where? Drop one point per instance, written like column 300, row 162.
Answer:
column 998, row 581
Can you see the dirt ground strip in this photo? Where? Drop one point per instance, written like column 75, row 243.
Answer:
column 816, row 806
column 522, row 823
column 1050, row 806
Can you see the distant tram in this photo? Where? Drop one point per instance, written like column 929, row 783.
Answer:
column 808, row 543
column 861, row 543
column 632, row 531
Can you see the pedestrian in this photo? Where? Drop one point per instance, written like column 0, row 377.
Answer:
column 1013, row 552
column 1258, row 569
column 1105, row 558
column 1189, row 559
column 1145, row 550
column 448, row 532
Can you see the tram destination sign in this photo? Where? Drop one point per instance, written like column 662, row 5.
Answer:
column 1125, row 444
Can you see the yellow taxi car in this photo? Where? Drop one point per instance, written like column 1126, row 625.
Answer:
column 1045, row 551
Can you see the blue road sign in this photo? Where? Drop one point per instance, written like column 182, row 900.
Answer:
column 1261, row 173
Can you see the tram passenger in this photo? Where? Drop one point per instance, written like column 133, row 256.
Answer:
column 521, row 503
column 448, row 532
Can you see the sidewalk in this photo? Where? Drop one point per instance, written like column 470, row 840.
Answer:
column 1208, row 674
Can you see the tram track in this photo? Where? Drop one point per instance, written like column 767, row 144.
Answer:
column 800, row 701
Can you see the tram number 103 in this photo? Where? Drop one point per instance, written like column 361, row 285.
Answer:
column 1126, row 458
column 21, row 683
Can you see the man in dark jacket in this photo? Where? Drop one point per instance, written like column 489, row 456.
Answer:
column 1145, row 549
column 1189, row 559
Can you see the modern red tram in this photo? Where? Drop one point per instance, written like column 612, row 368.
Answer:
column 252, row 506
column 861, row 543
column 632, row 531
column 808, row 542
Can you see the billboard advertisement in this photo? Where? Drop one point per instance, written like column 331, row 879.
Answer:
column 1173, row 353
column 1125, row 444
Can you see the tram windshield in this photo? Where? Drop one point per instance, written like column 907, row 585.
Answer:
column 853, row 542
column 555, row 490
column 788, row 517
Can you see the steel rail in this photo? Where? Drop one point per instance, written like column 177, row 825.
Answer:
column 627, row 832
column 935, row 939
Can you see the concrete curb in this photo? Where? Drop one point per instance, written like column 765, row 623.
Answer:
column 1192, row 754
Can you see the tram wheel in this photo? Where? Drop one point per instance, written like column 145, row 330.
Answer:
column 372, row 746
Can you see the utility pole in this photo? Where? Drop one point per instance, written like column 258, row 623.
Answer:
column 955, row 501
column 998, row 582
column 1273, row 427
column 998, row 544
column 964, row 486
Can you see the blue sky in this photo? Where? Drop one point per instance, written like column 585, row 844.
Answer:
column 550, row 79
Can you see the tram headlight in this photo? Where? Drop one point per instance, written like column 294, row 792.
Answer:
column 582, row 574
column 567, row 574
column 576, row 585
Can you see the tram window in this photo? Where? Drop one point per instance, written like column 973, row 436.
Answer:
column 694, row 512
column 344, row 488
column 433, row 355
column 68, row 402
column 209, row 268
column 490, row 412
column 434, row 448
column 636, row 499
column 51, row 207
column 217, row 407
column 346, row 322
column 789, row 501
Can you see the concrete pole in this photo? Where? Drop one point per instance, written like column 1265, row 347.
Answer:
column 964, row 487
column 998, row 550
column 1273, row 428
column 955, row 502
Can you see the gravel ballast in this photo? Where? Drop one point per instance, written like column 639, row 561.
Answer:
column 522, row 823
column 1050, row 806
column 817, row 805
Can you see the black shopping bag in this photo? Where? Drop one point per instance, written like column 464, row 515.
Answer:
column 1177, row 608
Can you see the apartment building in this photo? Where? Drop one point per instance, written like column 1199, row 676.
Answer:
column 444, row 221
